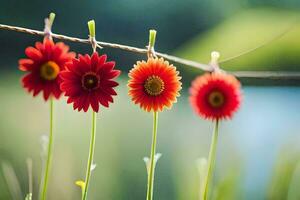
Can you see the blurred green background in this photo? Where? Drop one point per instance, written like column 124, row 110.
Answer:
column 258, row 152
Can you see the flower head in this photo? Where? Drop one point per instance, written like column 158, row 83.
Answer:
column 87, row 81
column 154, row 84
column 215, row 96
column 44, row 63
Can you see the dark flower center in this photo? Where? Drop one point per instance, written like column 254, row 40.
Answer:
column 90, row 81
column 154, row 85
column 49, row 70
column 216, row 99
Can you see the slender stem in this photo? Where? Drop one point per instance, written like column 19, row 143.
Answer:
column 49, row 154
column 152, row 162
column 91, row 156
column 211, row 160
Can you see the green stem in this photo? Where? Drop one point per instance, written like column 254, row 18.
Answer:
column 152, row 164
column 91, row 156
column 211, row 160
column 49, row 154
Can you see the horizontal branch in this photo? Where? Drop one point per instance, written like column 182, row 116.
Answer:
column 280, row 78
column 271, row 75
column 275, row 75
column 203, row 67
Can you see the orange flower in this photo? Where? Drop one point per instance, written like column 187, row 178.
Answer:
column 215, row 95
column 154, row 84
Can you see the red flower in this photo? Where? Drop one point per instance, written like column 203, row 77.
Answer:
column 88, row 81
column 215, row 96
column 44, row 63
column 154, row 84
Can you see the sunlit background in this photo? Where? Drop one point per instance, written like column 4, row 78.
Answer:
column 258, row 151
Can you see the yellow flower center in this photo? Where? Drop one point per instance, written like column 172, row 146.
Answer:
column 154, row 85
column 49, row 70
column 90, row 81
column 216, row 99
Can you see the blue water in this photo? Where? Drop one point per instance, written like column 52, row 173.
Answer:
column 267, row 122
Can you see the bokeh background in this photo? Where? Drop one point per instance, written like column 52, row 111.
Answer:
column 258, row 151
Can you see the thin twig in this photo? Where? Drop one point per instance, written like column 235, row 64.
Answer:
column 270, row 40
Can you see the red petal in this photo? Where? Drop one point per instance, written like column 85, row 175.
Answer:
column 113, row 74
column 47, row 92
column 102, row 60
column 108, row 66
column 94, row 62
column 94, row 103
column 110, row 83
column 33, row 53
column 25, row 64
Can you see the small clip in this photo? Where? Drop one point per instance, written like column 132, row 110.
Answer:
column 92, row 35
column 48, row 25
column 152, row 37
